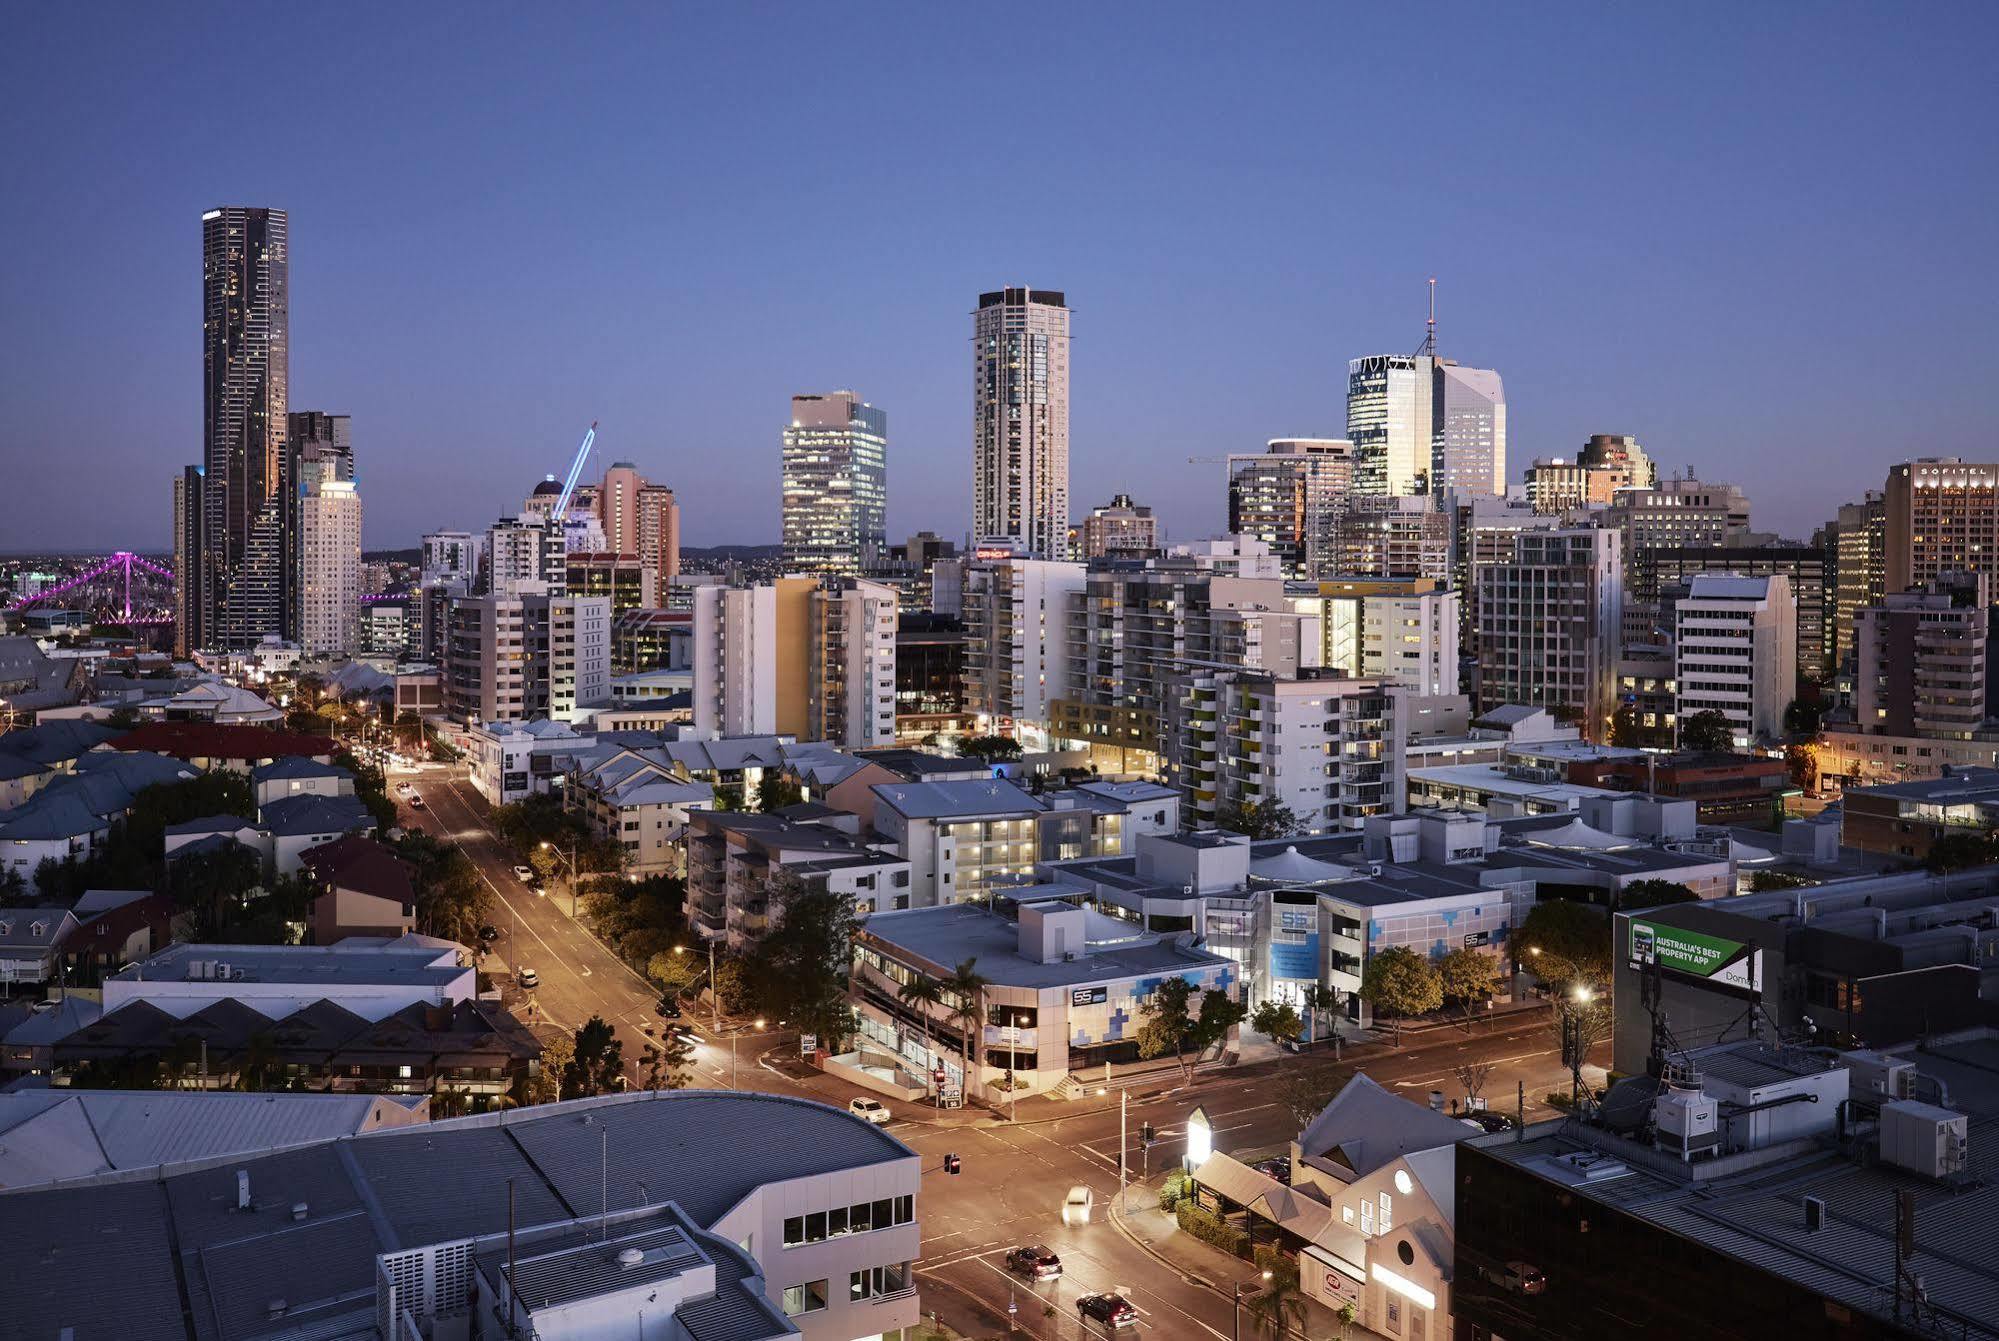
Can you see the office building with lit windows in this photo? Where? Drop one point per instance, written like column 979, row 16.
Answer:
column 1940, row 515
column 1020, row 421
column 1550, row 625
column 835, row 483
column 1289, row 496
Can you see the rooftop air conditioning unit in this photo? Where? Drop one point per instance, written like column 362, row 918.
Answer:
column 222, row 971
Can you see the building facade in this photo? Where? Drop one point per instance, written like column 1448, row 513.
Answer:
column 326, row 533
column 1468, row 431
column 808, row 657
column 1922, row 661
column 246, row 359
column 1289, row 496
column 515, row 659
column 1940, row 515
column 1020, row 420
column 1735, row 653
column 835, row 483
column 1550, row 625
column 1118, row 527
column 1016, row 665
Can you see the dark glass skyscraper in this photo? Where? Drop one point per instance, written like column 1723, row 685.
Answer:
column 246, row 317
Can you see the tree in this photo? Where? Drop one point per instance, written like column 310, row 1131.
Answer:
column 1563, row 941
column 12, row 887
column 1170, row 1022
column 209, row 888
column 1260, row 821
column 990, row 749
column 1626, row 732
column 546, row 861
column 1960, row 852
column 371, row 789
column 1399, row 982
column 451, row 899
column 1305, row 1094
column 1707, row 732
column 545, row 1086
column 1279, row 1305
column 1802, row 716
column 1321, row 1000
column 1803, row 758
column 776, row 791
column 1471, row 1076
column 732, row 986
column 675, row 973
column 800, row 969
column 1653, row 894
column 125, row 717
column 1762, row 881
column 965, row 994
column 1277, row 1020
column 1469, row 978
column 669, row 1062
column 921, row 993
column 598, row 1066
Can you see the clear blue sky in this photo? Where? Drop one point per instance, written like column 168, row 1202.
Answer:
column 1760, row 237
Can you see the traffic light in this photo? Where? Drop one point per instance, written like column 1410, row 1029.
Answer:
column 951, row 1164
column 1145, row 1133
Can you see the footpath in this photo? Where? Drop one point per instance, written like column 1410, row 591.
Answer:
column 1208, row 1267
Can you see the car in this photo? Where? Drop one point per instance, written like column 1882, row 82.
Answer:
column 1523, row 1278
column 416, row 802
column 524, row 874
column 667, row 1009
column 1487, row 1120
column 1278, row 1167
column 1038, row 1262
column 1077, row 1206
column 527, row 977
column 489, row 934
column 1112, row 1310
column 44, row 1006
column 870, row 1110
column 687, row 1033
column 404, row 789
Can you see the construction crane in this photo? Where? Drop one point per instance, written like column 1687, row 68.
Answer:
column 1207, row 460
column 575, row 470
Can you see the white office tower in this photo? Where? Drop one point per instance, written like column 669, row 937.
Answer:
column 835, row 483
column 1550, row 626
column 1326, row 747
column 850, row 694
column 1020, row 421
column 1016, row 657
column 329, row 513
column 1735, row 651
column 735, row 656
column 1401, row 631
column 526, row 554
column 451, row 556
column 1468, row 431
column 1389, row 423
column 1289, row 496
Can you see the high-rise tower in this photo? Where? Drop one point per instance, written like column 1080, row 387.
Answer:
column 1020, row 421
column 246, row 315
column 326, row 532
column 835, row 483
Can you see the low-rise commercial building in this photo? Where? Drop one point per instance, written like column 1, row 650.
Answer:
column 1906, row 819
column 1736, row 653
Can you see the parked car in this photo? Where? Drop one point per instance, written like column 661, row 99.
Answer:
column 1036, row 1263
column 489, row 934
column 1278, row 1167
column 527, row 977
column 1112, row 1310
column 524, row 874
column 1487, row 1120
column 404, row 789
column 416, row 801
column 667, row 1009
column 870, row 1110
column 1523, row 1278
column 1077, row 1206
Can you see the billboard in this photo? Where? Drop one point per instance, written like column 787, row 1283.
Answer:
column 1713, row 961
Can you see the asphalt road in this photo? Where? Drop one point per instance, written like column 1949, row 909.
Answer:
column 1015, row 1177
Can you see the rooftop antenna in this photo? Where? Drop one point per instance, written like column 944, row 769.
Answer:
column 1429, row 349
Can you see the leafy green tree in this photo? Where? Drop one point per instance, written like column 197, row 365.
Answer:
column 1272, row 819
column 1626, row 731
column 1169, row 1022
column 1469, row 978
column 991, row 749
column 1707, row 732
column 668, row 1062
column 1399, row 983
column 800, row 968
column 371, row 789
column 1764, row 881
column 733, row 987
column 12, row 887
column 776, row 791
column 1277, row 1020
column 675, row 973
column 1654, row 894
column 1280, row 1304
column 545, row 1086
column 209, row 888
column 1960, row 852
column 451, row 900
column 123, row 718
column 598, row 1066
column 1305, row 1093
column 1562, row 941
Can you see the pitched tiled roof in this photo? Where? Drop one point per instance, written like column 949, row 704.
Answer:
column 363, row 865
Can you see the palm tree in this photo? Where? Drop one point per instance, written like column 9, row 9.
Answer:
column 920, row 994
column 968, row 985
column 1280, row 1304
column 1320, row 1000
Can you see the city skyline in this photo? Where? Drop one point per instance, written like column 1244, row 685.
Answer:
column 555, row 305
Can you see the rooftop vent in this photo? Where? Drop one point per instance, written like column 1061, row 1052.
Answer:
column 630, row 1258
column 275, row 1310
column 299, row 1209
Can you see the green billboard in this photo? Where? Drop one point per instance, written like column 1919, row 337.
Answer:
column 1735, row 966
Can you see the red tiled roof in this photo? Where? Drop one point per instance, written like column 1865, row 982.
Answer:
column 211, row 740
column 361, row 864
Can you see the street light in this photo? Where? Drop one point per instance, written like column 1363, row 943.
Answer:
column 1254, row 1287
column 733, row 1033
column 569, row 857
column 714, row 996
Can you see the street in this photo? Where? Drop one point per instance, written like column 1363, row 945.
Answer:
column 1015, row 1176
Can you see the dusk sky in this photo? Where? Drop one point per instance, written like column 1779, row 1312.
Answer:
column 1758, row 238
